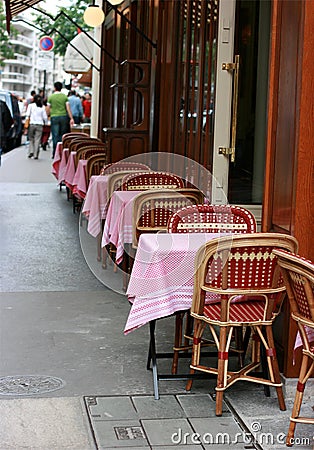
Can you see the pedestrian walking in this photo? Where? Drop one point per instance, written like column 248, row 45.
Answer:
column 87, row 106
column 76, row 107
column 60, row 115
column 36, row 112
column 6, row 122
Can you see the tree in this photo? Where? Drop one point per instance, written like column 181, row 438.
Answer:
column 62, row 30
column 6, row 50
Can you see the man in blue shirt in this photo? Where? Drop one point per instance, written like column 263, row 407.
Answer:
column 76, row 107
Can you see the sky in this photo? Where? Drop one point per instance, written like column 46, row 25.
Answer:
column 53, row 6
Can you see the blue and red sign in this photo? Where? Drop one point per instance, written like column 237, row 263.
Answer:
column 46, row 43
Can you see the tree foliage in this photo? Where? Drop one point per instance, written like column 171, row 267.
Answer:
column 62, row 29
column 6, row 50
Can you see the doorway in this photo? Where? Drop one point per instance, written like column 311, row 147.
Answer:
column 209, row 121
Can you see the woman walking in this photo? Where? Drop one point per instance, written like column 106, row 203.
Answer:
column 37, row 119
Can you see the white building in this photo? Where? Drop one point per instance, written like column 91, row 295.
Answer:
column 26, row 71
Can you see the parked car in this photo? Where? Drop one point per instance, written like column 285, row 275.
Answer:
column 14, row 136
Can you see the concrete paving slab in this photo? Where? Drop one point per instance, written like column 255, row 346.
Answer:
column 166, row 407
column 177, row 447
column 120, row 434
column 164, row 431
column 44, row 424
column 112, row 408
column 195, row 405
column 218, row 431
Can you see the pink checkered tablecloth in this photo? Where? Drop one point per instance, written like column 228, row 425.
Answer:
column 79, row 184
column 298, row 341
column 118, row 224
column 63, row 165
column 57, row 160
column 161, row 281
column 70, row 170
column 96, row 203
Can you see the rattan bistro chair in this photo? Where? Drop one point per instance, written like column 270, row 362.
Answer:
column 298, row 275
column 85, row 153
column 153, row 209
column 206, row 219
column 151, row 180
column 67, row 138
column 151, row 212
column 89, row 149
column 243, row 271
column 94, row 165
column 114, row 183
column 212, row 219
column 127, row 166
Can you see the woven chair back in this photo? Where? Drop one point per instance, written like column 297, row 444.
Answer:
column 152, row 209
column 212, row 219
column 152, row 180
column 126, row 166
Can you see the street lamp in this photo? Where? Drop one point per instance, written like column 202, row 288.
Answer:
column 94, row 16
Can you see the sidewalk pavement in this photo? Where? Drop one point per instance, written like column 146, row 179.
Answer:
column 70, row 378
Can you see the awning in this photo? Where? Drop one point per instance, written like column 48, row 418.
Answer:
column 14, row 7
column 79, row 54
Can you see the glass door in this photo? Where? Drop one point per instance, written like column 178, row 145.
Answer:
column 241, row 102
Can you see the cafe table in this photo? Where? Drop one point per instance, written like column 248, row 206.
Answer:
column 63, row 165
column 118, row 223
column 79, row 183
column 161, row 284
column 70, row 170
column 57, row 160
column 161, row 281
column 96, row 203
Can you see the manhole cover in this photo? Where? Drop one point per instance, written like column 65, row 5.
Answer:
column 29, row 384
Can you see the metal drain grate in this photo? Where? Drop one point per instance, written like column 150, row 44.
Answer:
column 29, row 384
column 27, row 194
column 128, row 433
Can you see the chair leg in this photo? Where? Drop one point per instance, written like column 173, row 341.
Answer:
column 222, row 369
column 196, row 349
column 305, row 372
column 273, row 366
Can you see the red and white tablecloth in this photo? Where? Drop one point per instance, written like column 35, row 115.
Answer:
column 96, row 203
column 161, row 281
column 57, row 160
column 118, row 224
column 79, row 183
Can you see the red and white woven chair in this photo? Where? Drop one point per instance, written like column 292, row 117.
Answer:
column 206, row 219
column 242, row 271
column 151, row 180
column 123, row 166
column 298, row 275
